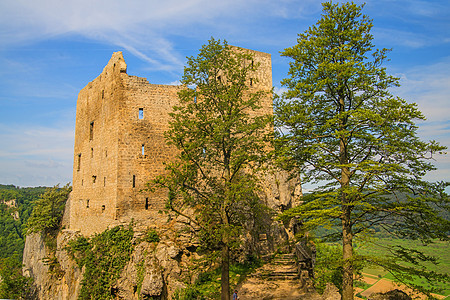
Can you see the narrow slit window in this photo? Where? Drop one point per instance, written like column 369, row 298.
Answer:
column 141, row 113
column 87, row 203
column 92, row 152
column 94, row 178
column 82, row 181
column 251, row 81
column 104, row 181
column 134, row 180
column 146, row 203
column 103, row 94
column 91, row 131
column 79, row 162
column 143, row 149
column 103, row 208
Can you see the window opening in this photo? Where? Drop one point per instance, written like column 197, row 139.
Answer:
column 104, row 181
column 134, row 180
column 106, row 153
column 141, row 113
column 146, row 203
column 92, row 152
column 103, row 94
column 79, row 162
column 91, row 131
column 251, row 81
column 103, row 208
column 87, row 203
column 143, row 149
column 94, row 178
column 82, row 182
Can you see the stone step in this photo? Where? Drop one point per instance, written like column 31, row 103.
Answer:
column 283, row 262
column 275, row 274
column 283, row 277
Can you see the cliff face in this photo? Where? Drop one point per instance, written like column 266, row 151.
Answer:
column 63, row 284
column 51, row 286
column 155, row 269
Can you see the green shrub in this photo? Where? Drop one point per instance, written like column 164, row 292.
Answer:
column 152, row 236
column 104, row 256
column 48, row 210
column 328, row 267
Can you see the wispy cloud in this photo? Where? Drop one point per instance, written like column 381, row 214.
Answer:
column 142, row 27
column 429, row 87
column 35, row 156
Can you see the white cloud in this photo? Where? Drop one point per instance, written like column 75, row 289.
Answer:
column 429, row 87
column 410, row 39
column 279, row 90
column 139, row 26
column 142, row 27
column 37, row 156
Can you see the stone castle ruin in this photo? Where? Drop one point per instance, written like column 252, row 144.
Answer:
column 120, row 145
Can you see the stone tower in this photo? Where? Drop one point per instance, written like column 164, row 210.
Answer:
column 120, row 145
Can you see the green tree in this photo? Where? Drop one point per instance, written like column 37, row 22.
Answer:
column 221, row 148
column 12, row 223
column 13, row 284
column 341, row 127
column 48, row 210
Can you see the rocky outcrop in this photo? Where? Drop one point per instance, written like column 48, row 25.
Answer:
column 155, row 270
column 63, row 284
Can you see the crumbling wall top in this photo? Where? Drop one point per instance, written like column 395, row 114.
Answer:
column 116, row 64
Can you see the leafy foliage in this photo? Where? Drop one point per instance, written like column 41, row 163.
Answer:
column 13, row 218
column 104, row 256
column 340, row 127
column 48, row 210
column 221, row 148
column 16, row 205
column 152, row 236
column 328, row 266
column 13, row 284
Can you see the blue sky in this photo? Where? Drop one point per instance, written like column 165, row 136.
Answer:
column 50, row 49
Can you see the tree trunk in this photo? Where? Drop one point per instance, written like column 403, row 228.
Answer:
column 225, row 279
column 347, row 235
column 347, row 255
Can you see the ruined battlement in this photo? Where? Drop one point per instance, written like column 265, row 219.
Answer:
column 120, row 145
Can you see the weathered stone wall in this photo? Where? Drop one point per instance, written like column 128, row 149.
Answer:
column 96, row 155
column 142, row 147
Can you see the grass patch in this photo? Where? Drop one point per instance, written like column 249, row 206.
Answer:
column 438, row 249
column 375, row 272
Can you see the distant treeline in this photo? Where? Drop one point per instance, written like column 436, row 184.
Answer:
column 13, row 217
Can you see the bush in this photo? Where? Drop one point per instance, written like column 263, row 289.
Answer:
column 104, row 256
column 48, row 210
column 328, row 267
column 152, row 236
